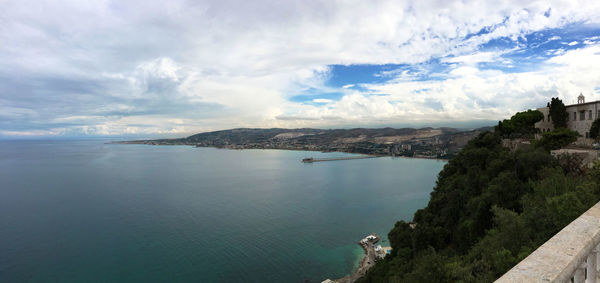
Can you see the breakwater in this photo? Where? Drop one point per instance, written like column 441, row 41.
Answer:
column 310, row 159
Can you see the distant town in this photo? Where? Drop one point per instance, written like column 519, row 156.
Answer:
column 441, row 143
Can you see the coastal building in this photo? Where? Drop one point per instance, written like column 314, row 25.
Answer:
column 379, row 251
column 580, row 119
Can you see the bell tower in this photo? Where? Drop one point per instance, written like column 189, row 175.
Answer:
column 580, row 98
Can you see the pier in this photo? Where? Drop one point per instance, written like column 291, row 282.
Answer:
column 311, row 160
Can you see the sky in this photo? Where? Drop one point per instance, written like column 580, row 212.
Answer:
column 174, row 68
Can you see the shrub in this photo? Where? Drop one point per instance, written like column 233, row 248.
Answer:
column 556, row 139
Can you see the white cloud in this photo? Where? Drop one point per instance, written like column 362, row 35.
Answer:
column 322, row 100
column 472, row 94
column 30, row 133
column 474, row 58
column 114, row 67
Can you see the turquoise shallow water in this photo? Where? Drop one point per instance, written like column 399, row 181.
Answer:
column 85, row 211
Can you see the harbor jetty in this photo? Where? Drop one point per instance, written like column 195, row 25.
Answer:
column 311, row 160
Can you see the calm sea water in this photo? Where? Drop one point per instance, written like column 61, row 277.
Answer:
column 85, row 211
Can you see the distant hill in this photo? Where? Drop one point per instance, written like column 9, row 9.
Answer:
column 424, row 142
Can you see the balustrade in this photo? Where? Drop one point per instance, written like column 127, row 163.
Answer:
column 572, row 255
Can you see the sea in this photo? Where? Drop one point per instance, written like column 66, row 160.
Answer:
column 91, row 211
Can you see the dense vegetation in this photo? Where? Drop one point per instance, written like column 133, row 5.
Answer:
column 490, row 208
column 521, row 125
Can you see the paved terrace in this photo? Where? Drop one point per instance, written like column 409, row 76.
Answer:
column 572, row 254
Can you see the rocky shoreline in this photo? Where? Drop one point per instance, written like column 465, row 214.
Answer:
column 368, row 260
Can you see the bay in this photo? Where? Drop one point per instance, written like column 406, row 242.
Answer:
column 84, row 210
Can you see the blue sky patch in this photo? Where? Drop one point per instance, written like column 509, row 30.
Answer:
column 342, row 75
column 521, row 54
column 534, row 48
column 312, row 94
column 486, row 30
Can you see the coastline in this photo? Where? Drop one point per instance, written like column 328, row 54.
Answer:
column 153, row 143
column 368, row 260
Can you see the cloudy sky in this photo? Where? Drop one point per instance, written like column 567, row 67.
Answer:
column 72, row 68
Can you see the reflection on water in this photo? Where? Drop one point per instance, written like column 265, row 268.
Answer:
column 81, row 210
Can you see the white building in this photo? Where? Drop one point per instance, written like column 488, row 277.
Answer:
column 580, row 119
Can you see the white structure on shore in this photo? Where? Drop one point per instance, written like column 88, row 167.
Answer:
column 580, row 119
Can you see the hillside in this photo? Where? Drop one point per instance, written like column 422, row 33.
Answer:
column 425, row 142
column 490, row 208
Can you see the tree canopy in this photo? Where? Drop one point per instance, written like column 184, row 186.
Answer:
column 558, row 113
column 595, row 129
column 520, row 125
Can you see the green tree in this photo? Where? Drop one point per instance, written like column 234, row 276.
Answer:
column 400, row 237
column 594, row 172
column 558, row 113
column 595, row 129
column 556, row 139
column 520, row 125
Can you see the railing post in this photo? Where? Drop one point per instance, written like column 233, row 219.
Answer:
column 579, row 276
column 591, row 265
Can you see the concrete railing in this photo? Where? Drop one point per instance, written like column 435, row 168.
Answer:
column 572, row 254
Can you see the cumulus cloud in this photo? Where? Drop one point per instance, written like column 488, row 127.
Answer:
column 473, row 93
column 123, row 67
